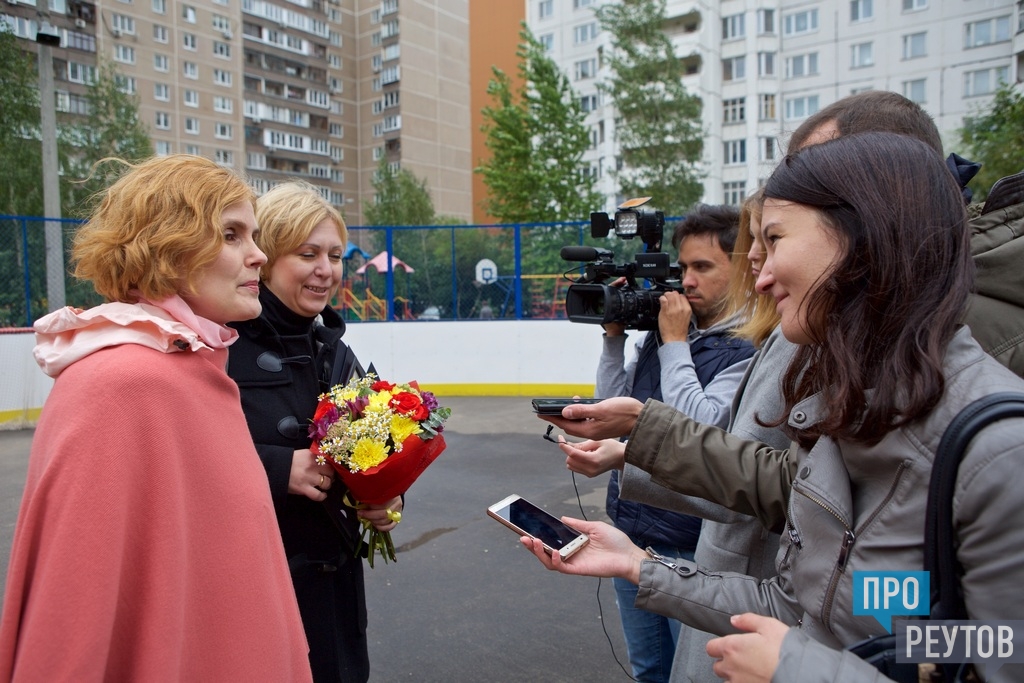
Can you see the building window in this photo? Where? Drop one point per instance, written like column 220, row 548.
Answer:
column 584, row 34
column 861, row 10
column 914, row 5
column 766, row 112
column 124, row 54
column 163, row 120
column 192, row 149
column 221, row 77
column 188, row 14
column 735, row 152
column 915, row 90
column 191, row 98
column 801, row 107
column 163, row 148
column 222, row 50
column 190, row 70
column 547, row 41
column 765, row 21
column 914, row 45
column 588, row 103
column 978, row 33
column 161, row 63
column 576, row 4
column 734, row 110
column 188, row 41
column 192, row 125
column 224, row 157
column 765, row 63
column 734, row 192
column 861, row 55
column 545, row 8
column 985, row 81
column 162, row 92
column 223, row 131
column 125, row 84
column 160, row 33
column 800, row 22
column 734, row 69
column 119, row 23
column 732, row 27
column 802, row 65
column 160, row 6
column 223, row 104
column 586, row 69
column 769, row 149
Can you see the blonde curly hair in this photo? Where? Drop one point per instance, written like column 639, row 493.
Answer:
column 156, row 227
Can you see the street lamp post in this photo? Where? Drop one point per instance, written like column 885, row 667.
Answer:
column 47, row 37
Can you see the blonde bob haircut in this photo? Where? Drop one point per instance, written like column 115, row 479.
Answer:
column 157, row 226
column 758, row 310
column 287, row 216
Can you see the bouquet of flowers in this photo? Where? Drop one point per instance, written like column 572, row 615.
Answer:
column 379, row 437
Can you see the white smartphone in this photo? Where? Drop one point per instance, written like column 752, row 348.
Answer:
column 526, row 519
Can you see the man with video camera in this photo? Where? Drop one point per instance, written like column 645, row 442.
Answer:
column 690, row 362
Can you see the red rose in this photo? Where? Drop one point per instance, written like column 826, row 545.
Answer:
column 421, row 413
column 405, row 403
column 322, row 408
column 381, row 385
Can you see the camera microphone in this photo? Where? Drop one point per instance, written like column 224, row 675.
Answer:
column 584, row 253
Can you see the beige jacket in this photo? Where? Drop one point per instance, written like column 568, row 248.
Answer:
column 845, row 507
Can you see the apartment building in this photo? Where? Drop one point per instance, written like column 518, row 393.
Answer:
column 762, row 66
column 321, row 90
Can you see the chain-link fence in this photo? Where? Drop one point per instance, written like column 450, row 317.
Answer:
column 441, row 272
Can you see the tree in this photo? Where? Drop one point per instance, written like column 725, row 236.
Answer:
column 537, row 140
column 401, row 198
column 112, row 129
column 996, row 139
column 20, row 150
column 659, row 123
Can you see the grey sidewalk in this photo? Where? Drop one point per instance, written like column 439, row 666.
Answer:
column 464, row 602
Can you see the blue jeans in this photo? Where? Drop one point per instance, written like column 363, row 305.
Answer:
column 650, row 638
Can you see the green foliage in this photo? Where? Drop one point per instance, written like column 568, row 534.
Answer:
column 996, row 139
column 402, row 198
column 659, row 126
column 536, row 137
column 21, row 190
column 112, row 130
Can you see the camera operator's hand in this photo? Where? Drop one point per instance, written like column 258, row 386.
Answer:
column 608, row 419
column 614, row 329
column 674, row 316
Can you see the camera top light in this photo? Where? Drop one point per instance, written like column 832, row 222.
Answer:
column 626, row 223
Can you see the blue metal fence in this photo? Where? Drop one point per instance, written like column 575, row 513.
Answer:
column 441, row 272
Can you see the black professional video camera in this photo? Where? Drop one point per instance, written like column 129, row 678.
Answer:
column 590, row 300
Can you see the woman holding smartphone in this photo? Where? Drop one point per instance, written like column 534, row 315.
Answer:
column 870, row 271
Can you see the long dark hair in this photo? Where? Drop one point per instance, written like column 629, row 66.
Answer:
column 887, row 311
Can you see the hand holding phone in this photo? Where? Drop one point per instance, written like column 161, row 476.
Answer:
column 553, row 406
column 526, row 519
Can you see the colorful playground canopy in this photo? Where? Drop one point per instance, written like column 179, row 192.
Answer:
column 380, row 263
column 353, row 249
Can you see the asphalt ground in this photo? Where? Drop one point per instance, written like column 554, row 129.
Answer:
column 464, row 601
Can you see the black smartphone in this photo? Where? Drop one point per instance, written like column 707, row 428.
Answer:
column 553, row 406
column 526, row 519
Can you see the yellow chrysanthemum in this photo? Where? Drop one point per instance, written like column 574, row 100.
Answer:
column 368, row 453
column 379, row 402
column 403, row 427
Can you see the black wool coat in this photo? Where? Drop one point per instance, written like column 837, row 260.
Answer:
column 278, row 362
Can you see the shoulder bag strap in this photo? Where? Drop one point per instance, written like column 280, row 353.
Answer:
column 939, row 549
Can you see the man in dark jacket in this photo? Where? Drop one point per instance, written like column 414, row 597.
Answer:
column 693, row 363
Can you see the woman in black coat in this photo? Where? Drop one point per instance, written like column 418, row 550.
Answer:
column 282, row 362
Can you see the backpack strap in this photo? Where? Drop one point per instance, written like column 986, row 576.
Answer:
column 939, row 550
